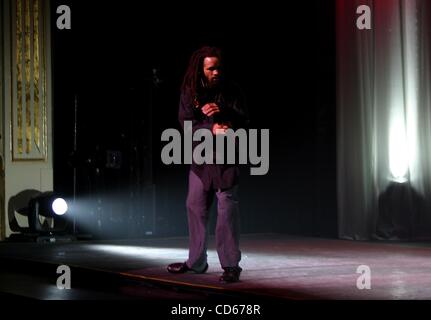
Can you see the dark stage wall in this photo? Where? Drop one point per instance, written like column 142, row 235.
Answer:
column 284, row 59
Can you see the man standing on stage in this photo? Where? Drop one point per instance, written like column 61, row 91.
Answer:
column 210, row 102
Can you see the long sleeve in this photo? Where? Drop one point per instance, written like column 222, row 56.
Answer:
column 232, row 110
column 187, row 112
column 238, row 113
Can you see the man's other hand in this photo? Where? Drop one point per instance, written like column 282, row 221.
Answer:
column 219, row 128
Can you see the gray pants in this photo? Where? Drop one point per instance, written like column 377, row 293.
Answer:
column 227, row 230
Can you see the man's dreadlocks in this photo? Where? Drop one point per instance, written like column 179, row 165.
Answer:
column 194, row 80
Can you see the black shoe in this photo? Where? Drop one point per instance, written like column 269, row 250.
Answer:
column 181, row 267
column 231, row 274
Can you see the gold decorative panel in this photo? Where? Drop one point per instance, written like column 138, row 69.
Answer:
column 29, row 102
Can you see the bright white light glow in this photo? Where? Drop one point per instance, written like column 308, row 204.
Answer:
column 398, row 150
column 59, row 206
column 142, row 251
column 403, row 131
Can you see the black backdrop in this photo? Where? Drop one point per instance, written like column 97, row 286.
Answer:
column 283, row 55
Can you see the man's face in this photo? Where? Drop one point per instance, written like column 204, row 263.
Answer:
column 212, row 70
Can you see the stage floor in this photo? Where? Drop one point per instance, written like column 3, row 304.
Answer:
column 274, row 266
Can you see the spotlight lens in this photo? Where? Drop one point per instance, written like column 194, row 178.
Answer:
column 59, row 206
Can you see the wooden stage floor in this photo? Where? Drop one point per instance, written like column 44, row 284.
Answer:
column 275, row 267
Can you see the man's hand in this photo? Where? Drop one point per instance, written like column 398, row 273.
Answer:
column 210, row 109
column 219, row 128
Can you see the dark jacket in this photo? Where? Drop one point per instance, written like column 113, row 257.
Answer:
column 232, row 109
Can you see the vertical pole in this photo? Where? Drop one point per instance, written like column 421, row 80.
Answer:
column 75, row 155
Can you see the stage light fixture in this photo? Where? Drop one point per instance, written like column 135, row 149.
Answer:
column 48, row 205
column 59, row 206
